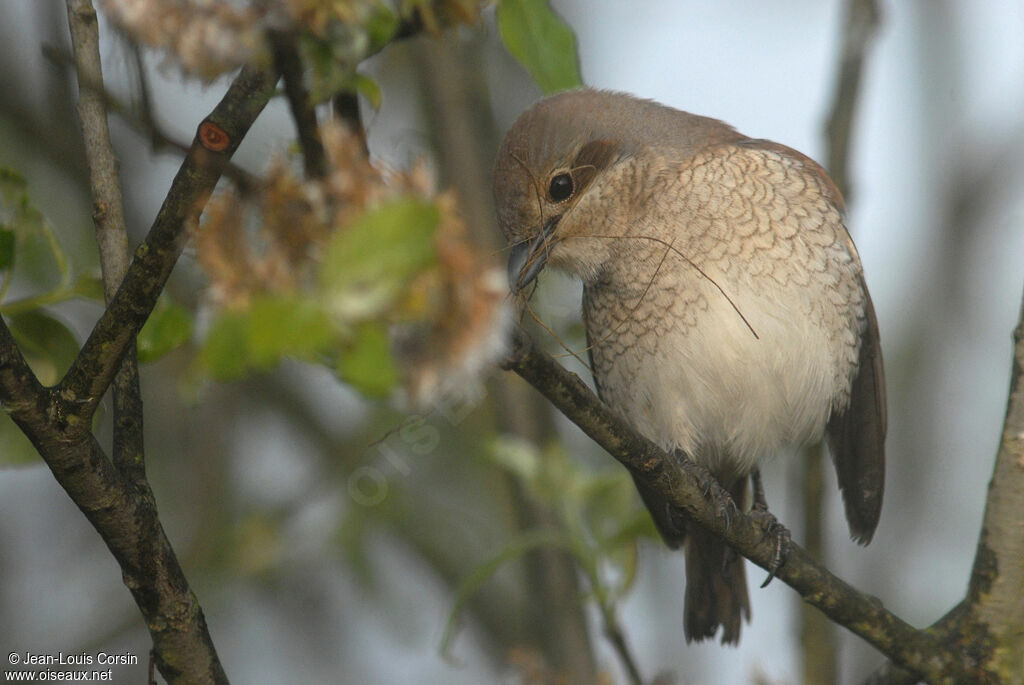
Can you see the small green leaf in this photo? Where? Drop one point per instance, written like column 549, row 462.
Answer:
column 542, row 43
column 368, row 88
column 89, row 287
column 518, row 456
column 527, row 542
column 270, row 329
column 168, row 328
column 48, row 345
column 15, row 448
column 13, row 186
column 367, row 365
column 368, row 264
column 6, row 249
column 380, row 26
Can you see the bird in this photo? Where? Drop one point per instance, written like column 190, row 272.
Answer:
column 726, row 313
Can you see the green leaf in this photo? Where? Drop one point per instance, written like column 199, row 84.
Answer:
column 367, row 365
column 270, row 329
column 380, row 26
column 168, row 328
column 15, row 448
column 368, row 264
column 542, row 43
column 368, row 88
column 518, row 456
column 89, row 287
column 40, row 254
column 48, row 345
column 13, row 186
column 515, row 549
column 6, row 249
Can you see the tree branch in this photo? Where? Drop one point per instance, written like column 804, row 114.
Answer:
column 111, row 228
column 57, row 421
column 143, row 122
column 346, row 108
column 217, row 138
column 862, row 20
column 684, row 484
column 125, row 518
column 988, row 624
column 994, row 615
column 288, row 64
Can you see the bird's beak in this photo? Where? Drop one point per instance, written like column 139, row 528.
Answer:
column 528, row 258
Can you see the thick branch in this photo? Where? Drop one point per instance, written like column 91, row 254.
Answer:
column 119, row 505
column 125, row 518
column 216, row 140
column 994, row 617
column 989, row 624
column 111, row 229
column 684, row 484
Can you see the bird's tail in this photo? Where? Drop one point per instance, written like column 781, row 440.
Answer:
column 716, row 582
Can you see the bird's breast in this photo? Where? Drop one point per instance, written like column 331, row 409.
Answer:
column 724, row 369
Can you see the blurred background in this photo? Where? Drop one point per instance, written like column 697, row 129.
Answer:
column 329, row 538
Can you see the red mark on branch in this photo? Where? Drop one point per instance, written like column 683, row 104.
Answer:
column 213, row 137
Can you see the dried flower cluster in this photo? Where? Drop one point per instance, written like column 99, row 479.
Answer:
column 269, row 240
column 448, row 321
column 468, row 332
column 207, row 37
column 211, row 37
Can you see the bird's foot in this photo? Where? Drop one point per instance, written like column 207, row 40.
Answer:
column 725, row 507
column 777, row 532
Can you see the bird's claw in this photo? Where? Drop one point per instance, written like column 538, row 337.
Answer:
column 779, row 533
column 724, row 505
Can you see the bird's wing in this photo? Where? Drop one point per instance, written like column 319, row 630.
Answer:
column 856, row 435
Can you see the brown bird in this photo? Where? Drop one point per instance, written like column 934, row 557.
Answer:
column 726, row 312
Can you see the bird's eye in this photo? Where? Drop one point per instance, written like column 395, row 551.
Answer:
column 561, row 187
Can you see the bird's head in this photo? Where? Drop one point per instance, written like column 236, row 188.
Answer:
column 548, row 181
column 577, row 169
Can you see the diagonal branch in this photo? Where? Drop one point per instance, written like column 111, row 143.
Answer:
column 125, row 518
column 142, row 121
column 684, row 484
column 216, row 140
column 117, row 502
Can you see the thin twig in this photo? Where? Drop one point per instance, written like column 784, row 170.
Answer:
column 612, row 628
column 216, row 140
column 818, row 635
column 111, row 230
column 144, row 123
column 346, row 108
column 288, row 64
column 862, row 20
